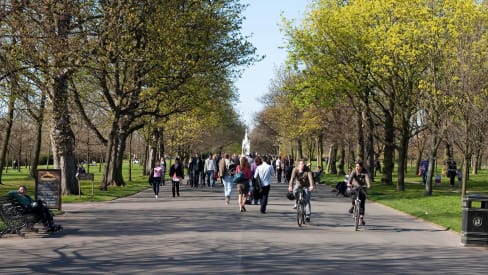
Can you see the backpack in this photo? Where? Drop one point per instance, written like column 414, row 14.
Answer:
column 230, row 170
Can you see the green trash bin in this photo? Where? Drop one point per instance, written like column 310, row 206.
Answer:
column 474, row 229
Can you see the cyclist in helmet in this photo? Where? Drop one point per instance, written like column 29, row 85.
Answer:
column 359, row 179
column 303, row 179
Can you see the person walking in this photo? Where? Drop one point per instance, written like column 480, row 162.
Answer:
column 242, row 179
column 196, row 167
column 225, row 174
column 157, row 173
column 264, row 173
column 176, row 173
column 278, row 168
column 209, row 168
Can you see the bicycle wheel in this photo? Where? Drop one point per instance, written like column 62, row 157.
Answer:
column 300, row 210
column 356, row 217
column 303, row 212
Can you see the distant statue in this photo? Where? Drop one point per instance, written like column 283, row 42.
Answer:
column 246, row 146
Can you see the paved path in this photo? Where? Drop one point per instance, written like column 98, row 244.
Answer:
column 198, row 234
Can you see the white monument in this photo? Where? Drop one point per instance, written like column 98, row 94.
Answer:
column 246, row 146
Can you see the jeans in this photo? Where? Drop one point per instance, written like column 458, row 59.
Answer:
column 227, row 186
column 308, row 196
column 155, row 184
column 175, row 187
column 195, row 178
column 264, row 199
column 210, row 178
column 362, row 196
column 278, row 175
column 424, row 177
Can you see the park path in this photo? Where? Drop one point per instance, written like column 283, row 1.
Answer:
column 198, row 234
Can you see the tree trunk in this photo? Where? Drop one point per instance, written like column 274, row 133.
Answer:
column 299, row 149
column 340, row 166
column 466, row 167
column 333, row 159
column 62, row 137
column 36, row 149
column 7, row 132
column 320, row 150
column 360, row 137
column 115, row 156
column 389, row 150
column 402, row 159
column 370, row 144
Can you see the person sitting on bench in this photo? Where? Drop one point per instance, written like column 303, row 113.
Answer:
column 31, row 206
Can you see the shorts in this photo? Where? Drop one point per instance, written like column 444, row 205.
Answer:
column 243, row 187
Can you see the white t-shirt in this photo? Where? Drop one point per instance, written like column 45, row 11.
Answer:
column 278, row 164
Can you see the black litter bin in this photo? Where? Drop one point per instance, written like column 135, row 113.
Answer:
column 475, row 220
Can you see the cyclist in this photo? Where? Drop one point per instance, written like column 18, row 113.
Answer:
column 357, row 180
column 303, row 180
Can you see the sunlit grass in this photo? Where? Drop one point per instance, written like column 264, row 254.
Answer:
column 444, row 207
column 13, row 179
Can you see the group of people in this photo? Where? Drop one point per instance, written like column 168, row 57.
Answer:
column 283, row 167
column 157, row 176
column 452, row 172
column 252, row 177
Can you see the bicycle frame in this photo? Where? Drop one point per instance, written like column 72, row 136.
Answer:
column 355, row 212
column 301, row 207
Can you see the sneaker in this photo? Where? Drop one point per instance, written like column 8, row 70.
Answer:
column 49, row 229
column 295, row 206
column 156, row 196
column 361, row 220
column 307, row 219
column 351, row 209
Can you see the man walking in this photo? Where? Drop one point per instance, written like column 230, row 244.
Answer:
column 264, row 173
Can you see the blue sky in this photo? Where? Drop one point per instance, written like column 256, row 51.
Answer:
column 263, row 22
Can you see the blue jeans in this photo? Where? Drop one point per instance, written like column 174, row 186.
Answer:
column 308, row 196
column 227, row 185
column 156, row 182
column 210, row 178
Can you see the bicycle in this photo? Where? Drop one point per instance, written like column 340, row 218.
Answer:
column 300, row 200
column 355, row 211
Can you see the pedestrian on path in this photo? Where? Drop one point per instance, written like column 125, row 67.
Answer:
column 224, row 173
column 264, row 173
column 176, row 174
column 242, row 179
column 209, row 169
column 157, row 174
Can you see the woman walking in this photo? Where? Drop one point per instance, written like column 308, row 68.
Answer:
column 243, row 176
column 225, row 173
column 176, row 174
column 157, row 173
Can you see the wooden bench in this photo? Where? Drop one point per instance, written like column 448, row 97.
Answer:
column 14, row 218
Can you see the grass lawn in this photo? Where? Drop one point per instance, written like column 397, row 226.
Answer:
column 444, row 207
column 13, row 178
